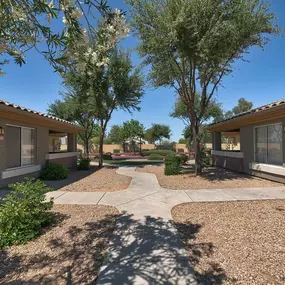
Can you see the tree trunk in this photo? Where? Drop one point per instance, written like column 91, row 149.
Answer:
column 101, row 142
column 197, row 148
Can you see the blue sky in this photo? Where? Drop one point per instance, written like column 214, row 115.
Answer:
column 261, row 80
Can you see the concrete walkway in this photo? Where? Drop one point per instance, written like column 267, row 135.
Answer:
column 146, row 248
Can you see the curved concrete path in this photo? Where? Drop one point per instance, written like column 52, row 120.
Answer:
column 145, row 247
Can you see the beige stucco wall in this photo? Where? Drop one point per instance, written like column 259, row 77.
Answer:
column 181, row 146
column 41, row 146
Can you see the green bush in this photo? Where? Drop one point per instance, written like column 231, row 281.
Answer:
column 172, row 164
column 184, row 157
column 84, row 164
column 158, row 151
column 205, row 156
column 154, row 157
column 54, row 171
column 107, row 156
column 116, row 151
column 24, row 212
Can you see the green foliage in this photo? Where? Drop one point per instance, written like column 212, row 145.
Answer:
column 132, row 129
column 184, row 158
column 205, row 156
column 160, row 152
column 115, row 134
column 84, row 164
column 154, row 157
column 242, row 106
column 172, row 164
column 107, row 156
column 54, row 171
column 204, row 39
column 213, row 112
column 182, row 141
column 24, row 212
column 116, row 151
column 75, row 110
column 29, row 25
column 157, row 132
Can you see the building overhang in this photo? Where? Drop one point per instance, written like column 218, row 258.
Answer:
column 251, row 118
column 16, row 113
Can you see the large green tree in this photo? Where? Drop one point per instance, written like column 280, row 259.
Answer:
column 242, row 106
column 132, row 130
column 192, row 44
column 157, row 132
column 115, row 134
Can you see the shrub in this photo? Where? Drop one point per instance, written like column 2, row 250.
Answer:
column 172, row 164
column 154, row 157
column 54, row 171
column 184, row 157
column 158, row 151
column 24, row 212
column 84, row 164
column 116, row 151
column 107, row 156
column 205, row 155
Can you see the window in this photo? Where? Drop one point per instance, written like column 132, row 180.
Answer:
column 268, row 144
column 20, row 146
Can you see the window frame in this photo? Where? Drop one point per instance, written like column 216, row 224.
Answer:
column 27, row 165
column 254, row 143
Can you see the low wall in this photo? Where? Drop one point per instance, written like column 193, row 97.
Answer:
column 228, row 159
column 68, row 159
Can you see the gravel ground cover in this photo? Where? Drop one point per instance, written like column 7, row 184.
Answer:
column 236, row 242
column 93, row 180
column 212, row 178
column 69, row 253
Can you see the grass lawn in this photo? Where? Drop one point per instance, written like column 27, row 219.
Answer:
column 128, row 162
column 71, row 252
column 212, row 178
column 234, row 242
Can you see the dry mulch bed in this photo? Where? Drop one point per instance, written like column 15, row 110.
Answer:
column 93, row 180
column 236, row 242
column 212, row 178
column 69, row 253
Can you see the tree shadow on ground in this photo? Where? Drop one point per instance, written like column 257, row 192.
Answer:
column 147, row 252
column 73, row 176
column 216, row 173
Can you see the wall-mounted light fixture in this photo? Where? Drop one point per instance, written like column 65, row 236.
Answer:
column 2, row 131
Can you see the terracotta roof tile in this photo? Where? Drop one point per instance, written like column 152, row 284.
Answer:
column 35, row 112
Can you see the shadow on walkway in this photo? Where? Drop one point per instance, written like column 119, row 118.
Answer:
column 139, row 252
column 151, row 252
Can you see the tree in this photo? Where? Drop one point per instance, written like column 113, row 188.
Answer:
column 132, row 130
column 105, row 88
column 33, row 24
column 157, row 132
column 116, row 134
column 192, row 44
column 242, row 106
column 77, row 112
column 214, row 113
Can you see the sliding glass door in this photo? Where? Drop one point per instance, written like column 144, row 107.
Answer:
column 268, row 144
